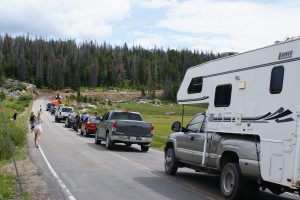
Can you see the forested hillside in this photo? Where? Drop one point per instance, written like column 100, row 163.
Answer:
column 56, row 64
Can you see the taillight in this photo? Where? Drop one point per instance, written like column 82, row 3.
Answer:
column 114, row 126
column 90, row 125
column 152, row 129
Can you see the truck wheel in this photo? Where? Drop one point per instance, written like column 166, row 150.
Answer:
column 108, row 144
column 145, row 148
column 171, row 163
column 86, row 133
column 97, row 141
column 231, row 182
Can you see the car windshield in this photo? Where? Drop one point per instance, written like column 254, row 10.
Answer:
column 66, row 109
column 93, row 119
column 126, row 116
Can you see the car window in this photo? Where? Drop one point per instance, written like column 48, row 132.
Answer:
column 126, row 116
column 66, row 110
column 93, row 119
column 105, row 116
column 196, row 123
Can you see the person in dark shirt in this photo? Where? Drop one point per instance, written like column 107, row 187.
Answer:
column 15, row 116
column 31, row 120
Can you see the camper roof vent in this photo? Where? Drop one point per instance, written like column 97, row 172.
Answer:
column 286, row 39
column 225, row 54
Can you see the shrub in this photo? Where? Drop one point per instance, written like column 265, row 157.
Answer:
column 84, row 99
column 17, row 134
column 4, row 147
column 25, row 97
column 72, row 97
column 2, row 96
column 20, row 87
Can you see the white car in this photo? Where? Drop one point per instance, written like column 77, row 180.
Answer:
column 62, row 113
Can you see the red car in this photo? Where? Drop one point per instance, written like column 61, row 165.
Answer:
column 90, row 126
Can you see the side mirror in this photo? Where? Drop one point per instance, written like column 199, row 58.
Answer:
column 176, row 126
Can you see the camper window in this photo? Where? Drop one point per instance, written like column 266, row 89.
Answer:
column 276, row 80
column 223, row 95
column 195, row 85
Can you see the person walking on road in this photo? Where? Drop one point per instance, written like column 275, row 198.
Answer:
column 31, row 120
column 37, row 130
column 41, row 109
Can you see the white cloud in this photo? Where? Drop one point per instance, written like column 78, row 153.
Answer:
column 148, row 40
column 63, row 19
column 154, row 3
column 233, row 25
column 217, row 25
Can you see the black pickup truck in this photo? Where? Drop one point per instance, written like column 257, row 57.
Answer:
column 117, row 126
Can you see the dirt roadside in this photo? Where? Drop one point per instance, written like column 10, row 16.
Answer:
column 31, row 181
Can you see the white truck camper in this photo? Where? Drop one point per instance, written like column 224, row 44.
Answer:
column 255, row 93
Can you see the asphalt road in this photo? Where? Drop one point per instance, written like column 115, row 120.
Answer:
column 77, row 168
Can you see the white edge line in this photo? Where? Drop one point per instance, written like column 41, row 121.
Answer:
column 62, row 185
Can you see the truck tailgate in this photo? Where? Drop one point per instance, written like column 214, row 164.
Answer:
column 134, row 128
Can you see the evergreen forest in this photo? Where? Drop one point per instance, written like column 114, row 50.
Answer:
column 56, row 64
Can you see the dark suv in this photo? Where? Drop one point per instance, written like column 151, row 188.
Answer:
column 50, row 106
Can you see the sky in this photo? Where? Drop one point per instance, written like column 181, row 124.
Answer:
column 204, row 25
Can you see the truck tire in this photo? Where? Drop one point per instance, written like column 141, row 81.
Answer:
column 109, row 144
column 97, row 141
column 145, row 148
column 231, row 182
column 171, row 163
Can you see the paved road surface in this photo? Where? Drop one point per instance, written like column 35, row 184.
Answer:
column 86, row 171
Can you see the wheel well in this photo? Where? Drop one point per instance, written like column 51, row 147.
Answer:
column 228, row 157
column 168, row 145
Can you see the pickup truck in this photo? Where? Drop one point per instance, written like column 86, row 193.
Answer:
column 232, row 156
column 118, row 126
column 62, row 113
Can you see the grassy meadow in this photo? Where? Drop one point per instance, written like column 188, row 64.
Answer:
column 17, row 131
column 162, row 116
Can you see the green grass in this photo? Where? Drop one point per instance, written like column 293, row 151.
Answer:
column 162, row 117
column 17, row 131
column 7, row 183
column 9, row 187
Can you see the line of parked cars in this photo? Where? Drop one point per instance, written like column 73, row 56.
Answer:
column 116, row 126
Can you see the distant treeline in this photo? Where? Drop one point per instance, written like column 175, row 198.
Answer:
column 57, row 64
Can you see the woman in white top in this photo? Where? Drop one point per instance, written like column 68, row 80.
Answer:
column 37, row 129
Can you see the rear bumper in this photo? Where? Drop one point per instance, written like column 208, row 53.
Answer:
column 91, row 130
column 131, row 139
column 62, row 117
